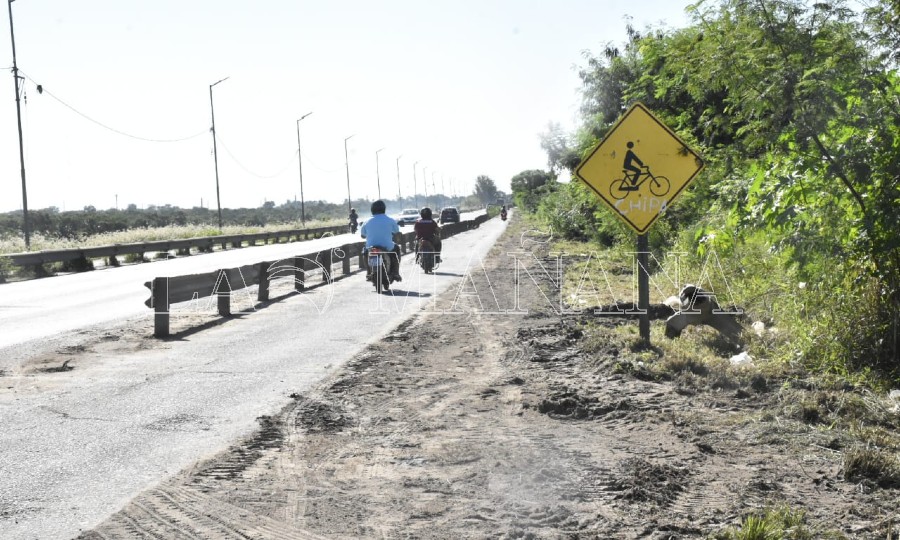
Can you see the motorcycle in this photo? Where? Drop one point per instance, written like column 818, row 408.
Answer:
column 353, row 227
column 380, row 261
column 503, row 215
column 426, row 257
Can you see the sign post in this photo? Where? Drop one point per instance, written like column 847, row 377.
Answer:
column 637, row 170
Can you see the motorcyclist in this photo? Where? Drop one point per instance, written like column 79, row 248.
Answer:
column 427, row 229
column 380, row 232
column 354, row 220
column 503, row 211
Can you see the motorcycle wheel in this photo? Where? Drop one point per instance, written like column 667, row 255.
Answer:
column 381, row 280
column 426, row 257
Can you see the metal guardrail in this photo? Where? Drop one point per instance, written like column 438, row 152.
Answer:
column 166, row 291
column 35, row 258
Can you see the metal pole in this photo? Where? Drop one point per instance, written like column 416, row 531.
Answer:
column 300, row 164
column 378, row 172
column 415, row 186
column 26, row 228
column 433, row 190
column 643, row 286
column 347, row 165
column 425, row 183
column 399, row 197
column 215, row 152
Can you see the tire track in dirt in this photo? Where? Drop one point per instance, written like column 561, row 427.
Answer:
column 170, row 512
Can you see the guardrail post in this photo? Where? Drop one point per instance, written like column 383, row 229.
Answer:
column 324, row 258
column 262, row 295
column 160, row 299
column 223, row 290
column 299, row 273
column 345, row 266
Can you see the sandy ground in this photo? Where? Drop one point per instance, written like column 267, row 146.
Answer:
column 481, row 425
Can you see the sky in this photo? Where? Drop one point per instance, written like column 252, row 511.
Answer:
column 454, row 89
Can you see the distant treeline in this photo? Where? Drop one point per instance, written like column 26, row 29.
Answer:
column 51, row 222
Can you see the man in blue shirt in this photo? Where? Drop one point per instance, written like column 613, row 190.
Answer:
column 379, row 232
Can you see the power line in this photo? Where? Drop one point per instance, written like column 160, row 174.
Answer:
column 248, row 171
column 42, row 90
column 313, row 163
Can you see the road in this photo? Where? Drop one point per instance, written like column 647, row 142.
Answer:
column 77, row 445
column 45, row 308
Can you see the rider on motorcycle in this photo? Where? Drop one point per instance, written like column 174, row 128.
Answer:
column 503, row 212
column 354, row 220
column 427, row 229
column 380, row 232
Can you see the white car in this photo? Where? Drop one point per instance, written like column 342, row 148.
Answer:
column 408, row 217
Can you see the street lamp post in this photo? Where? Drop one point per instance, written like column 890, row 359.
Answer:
column 347, row 165
column 215, row 153
column 378, row 172
column 425, row 183
column 399, row 197
column 26, row 228
column 433, row 190
column 415, row 186
column 300, row 164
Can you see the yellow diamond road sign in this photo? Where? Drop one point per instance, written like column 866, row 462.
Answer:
column 639, row 168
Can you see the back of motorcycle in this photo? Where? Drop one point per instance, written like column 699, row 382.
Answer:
column 425, row 256
column 378, row 273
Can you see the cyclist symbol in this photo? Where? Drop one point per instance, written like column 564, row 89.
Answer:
column 636, row 174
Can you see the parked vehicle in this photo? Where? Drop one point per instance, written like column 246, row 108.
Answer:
column 408, row 217
column 449, row 214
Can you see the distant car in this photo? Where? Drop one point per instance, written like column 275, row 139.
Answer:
column 449, row 215
column 408, row 217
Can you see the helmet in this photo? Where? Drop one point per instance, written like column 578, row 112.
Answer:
column 378, row 207
column 353, row 210
column 425, row 213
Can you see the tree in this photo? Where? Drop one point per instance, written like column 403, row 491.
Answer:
column 485, row 190
column 560, row 153
column 531, row 180
column 529, row 187
column 800, row 136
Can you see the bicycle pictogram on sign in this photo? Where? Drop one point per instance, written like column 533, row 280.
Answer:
column 639, row 168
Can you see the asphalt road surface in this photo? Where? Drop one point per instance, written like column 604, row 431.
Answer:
column 77, row 445
column 44, row 308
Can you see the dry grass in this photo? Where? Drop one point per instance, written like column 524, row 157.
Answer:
column 39, row 242
column 872, row 464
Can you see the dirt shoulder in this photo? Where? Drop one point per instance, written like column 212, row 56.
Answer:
column 476, row 424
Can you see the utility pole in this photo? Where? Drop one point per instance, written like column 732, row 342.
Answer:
column 425, row 183
column 215, row 153
column 347, row 165
column 399, row 198
column 378, row 172
column 15, row 69
column 300, row 164
column 415, row 187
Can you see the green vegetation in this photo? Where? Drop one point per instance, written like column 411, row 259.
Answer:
column 781, row 523
column 798, row 203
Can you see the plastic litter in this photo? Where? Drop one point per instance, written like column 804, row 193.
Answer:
column 742, row 359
